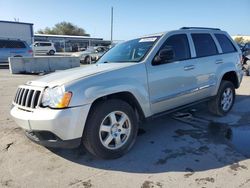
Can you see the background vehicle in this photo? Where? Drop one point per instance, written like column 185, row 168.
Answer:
column 13, row 48
column 44, row 48
column 245, row 48
column 101, row 105
column 91, row 55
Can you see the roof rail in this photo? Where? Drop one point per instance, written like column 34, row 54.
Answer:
column 200, row 28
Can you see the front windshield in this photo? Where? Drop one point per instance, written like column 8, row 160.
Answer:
column 130, row 51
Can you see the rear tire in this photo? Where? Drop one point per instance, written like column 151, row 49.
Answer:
column 51, row 52
column 224, row 100
column 111, row 129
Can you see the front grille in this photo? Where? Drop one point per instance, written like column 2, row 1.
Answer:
column 27, row 97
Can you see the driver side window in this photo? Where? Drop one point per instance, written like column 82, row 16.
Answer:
column 180, row 46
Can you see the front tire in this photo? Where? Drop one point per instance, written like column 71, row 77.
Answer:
column 87, row 60
column 224, row 100
column 111, row 129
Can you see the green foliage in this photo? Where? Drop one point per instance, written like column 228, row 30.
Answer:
column 239, row 40
column 64, row 28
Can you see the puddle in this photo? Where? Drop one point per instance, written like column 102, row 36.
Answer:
column 240, row 139
column 237, row 135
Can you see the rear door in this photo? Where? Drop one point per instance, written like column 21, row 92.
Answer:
column 170, row 83
column 206, row 61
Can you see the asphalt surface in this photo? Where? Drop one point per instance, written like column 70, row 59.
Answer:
column 190, row 148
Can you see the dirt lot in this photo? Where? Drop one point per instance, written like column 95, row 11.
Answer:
column 191, row 149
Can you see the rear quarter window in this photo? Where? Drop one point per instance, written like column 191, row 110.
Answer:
column 204, row 44
column 225, row 43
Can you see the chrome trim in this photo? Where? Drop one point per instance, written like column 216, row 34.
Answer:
column 25, row 97
column 182, row 93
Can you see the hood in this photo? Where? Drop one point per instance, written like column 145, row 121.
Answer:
column 78, row 54
column 66, row 76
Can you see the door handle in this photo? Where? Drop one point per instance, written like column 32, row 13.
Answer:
column 189, row 67
column 219, row 61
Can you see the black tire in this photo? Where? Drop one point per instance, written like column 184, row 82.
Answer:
column 91, row 135
column 87, row 60
column 246, row 72
column 51, row 52
column 215, row 106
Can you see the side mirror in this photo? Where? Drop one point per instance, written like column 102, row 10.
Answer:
column 164, row 55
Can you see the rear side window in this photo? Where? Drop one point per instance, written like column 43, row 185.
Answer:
column 45, row 44
column 225, row 43
column 179, row 44
column 204, row 45
column 11, row 44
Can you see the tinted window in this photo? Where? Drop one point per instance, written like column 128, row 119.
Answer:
column 45, row 44
column 179, row 44
column 11, row 44
column 204, row 45
column 225, row 43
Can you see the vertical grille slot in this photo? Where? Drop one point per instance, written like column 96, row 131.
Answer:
column 20, row 96
column 35, row 98
column 26, row 97
column 29, row 97
column 17, row 94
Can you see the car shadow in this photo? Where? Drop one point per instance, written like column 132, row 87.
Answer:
column 185, row 141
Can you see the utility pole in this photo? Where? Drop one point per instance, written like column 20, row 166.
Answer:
column 111, row 25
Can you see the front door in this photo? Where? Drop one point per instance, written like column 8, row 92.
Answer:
column 172, row 82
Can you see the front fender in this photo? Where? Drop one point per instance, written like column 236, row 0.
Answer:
column 132, row 79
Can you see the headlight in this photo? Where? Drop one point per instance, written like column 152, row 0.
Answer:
column 56, row 97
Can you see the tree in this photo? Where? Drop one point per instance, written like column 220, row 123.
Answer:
column 64, row 28
column 239, row 40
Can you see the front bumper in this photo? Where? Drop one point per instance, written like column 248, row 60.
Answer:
column 49, row 139
column 65, row 124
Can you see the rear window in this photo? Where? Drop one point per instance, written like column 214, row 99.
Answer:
column 204, row 45
column 225, row 43
column 11, row 44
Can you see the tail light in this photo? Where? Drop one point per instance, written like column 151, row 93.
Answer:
column 30, row 52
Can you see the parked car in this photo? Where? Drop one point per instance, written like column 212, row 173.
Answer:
column 91, row 55
column 101, row 105
column 13, row 48
column 245, row 48
column 44, row 48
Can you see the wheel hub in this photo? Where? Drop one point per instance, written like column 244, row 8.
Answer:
column 227, row 99
column 115, row 130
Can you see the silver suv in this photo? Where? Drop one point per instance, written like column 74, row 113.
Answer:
column 100, row 105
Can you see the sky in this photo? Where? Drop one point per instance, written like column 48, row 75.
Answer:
column 132, row 18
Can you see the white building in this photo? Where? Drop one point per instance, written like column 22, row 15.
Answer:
column 16, row 30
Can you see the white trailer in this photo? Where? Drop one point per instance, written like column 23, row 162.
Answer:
column 17, row 30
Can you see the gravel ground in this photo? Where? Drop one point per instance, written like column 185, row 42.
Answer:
column 193, row 149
